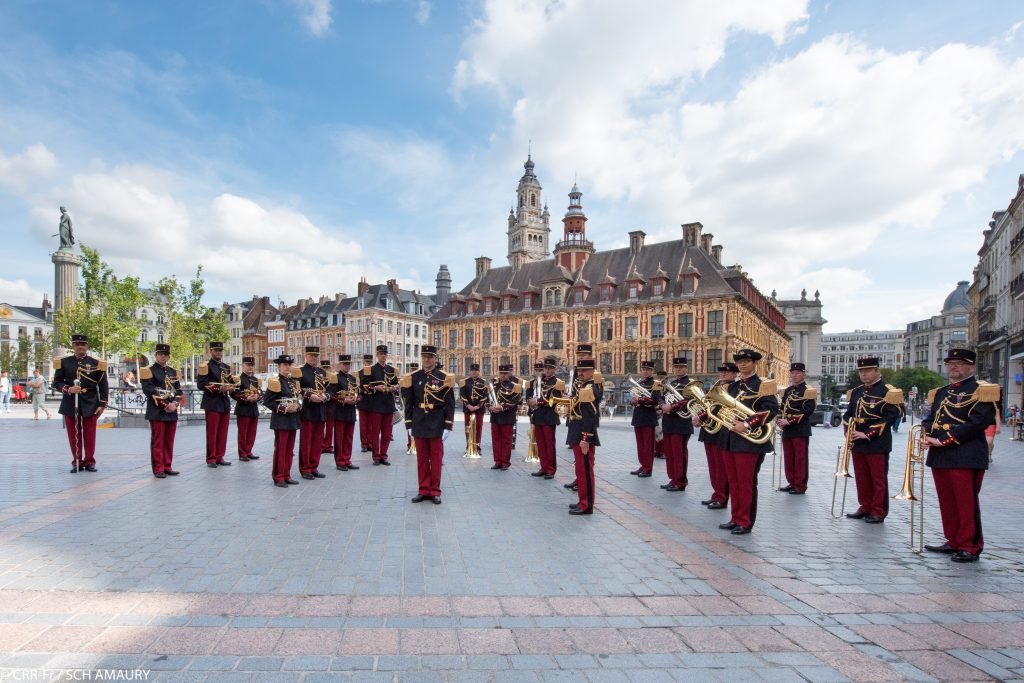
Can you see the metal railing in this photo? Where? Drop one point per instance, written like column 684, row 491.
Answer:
column 133, row 402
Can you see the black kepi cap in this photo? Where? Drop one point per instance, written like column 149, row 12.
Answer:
column 728, row 367
column 681, row 360
column 538, row 365
column 474, row 366
column 313, row 349
column 249, row 359
column 746, row 354
column 505, row 368
column 382, row 348
column 425, row 350
column 647, row 365
column 163, row 348
column 79, row 339
column 584, row 348
column 344, row 358
column 867, row 363
column 216, row 346
column 368, row 356
column 797, row 367
column 550, row 362
column 284, row 358
column 966, row 355
column 585, row 364
column 325, row 363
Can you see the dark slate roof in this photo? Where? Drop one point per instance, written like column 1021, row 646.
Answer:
column 316, row 314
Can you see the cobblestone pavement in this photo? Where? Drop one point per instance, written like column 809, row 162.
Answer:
column 217, row 575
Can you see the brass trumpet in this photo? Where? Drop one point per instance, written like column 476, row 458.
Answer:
column 916, row 451
column 843, row 469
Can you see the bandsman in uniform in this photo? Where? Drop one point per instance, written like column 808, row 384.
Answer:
column 713, row 448
column 409, row 443
column 429, row 395
column 873, row 407
column 379, row 384
column 314, row 383
column 328, row 442
column 743, row 458
column 283, row 399
column 544, row 417
column 794, row 422
column 585, row 352
column 473, row 393
column 364, row 421
column 645, row 418
column 247, row 412
column 659, row 432
column 82, row 381
column 163, row 393
column 509, row 393
column 676, row 430
column 214, row 379
column 582, row 428
column 954, row 433
column 344, row 391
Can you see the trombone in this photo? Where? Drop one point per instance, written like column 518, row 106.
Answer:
column 531, row 448
column 843, row 469
column 916, row 449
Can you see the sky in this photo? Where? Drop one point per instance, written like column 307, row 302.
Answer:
column 294, row 146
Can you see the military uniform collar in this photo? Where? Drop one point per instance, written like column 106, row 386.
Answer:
column 957, row 385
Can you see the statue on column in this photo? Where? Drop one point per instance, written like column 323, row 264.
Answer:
column 67, row 235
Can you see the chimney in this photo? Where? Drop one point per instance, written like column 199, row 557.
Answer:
column 716, row 253
column 302, row 303
column 393, row 286
column 339, row 297
column 46, row 306
column 636, row 241
column 483, row 264
column 323, row 299
column 363, row 287
column 691, row 234
column 705, row 242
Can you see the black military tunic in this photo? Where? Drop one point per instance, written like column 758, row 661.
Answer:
column 161, row 386
column 91, row 374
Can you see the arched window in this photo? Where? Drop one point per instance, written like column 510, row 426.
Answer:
column 533, row 199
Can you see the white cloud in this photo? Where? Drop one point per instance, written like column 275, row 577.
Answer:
column 19, row 293
column 315, row 14
column 423, row 8
column 19, row 170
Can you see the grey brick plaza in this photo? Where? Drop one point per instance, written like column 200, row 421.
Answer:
column 218, row 575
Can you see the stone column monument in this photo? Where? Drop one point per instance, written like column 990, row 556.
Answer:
column 66, row 264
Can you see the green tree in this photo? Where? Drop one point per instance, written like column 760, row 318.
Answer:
column 21, row 356
column 42, row 353
column 8, row 353
column 924, row 379
column 853, row 379
column 188, row 325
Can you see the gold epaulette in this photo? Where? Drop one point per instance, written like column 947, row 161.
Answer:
column 406, row 381
column 101, row 365
column 768, row 388
column 849, row 395
column 560, row 385
column 598, row 377
column 931, row 396
column 810, row 393
column 56, row 363
column 368, row 371
column 586, row 395
column 296, row 373
column 449, row 381
column 657, row 385
column 987, row 392
column 204, row 368
column 274, row 384
column 894, row 395
column 145, row 373
column 332, row 377
column 517, row 388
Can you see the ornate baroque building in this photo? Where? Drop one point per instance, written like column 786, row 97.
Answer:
column 645, row 301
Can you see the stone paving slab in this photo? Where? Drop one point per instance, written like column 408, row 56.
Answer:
column 217, row 575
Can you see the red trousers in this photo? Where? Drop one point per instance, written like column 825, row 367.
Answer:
column 161, row 444
column 328, row 442
column 480, row 414
column 364, row 429
column 717, row 473
column 659, row 446
column 957, row 490
column 742, row 470
column 645, row 447
column 677, row 458
column 343, row 442
column 501, row 444
column 544, row 435
column 871, row 472
column 81, row 439
column 429, row 458
column 379, row 434
column 794, row 458
column 311, row 443
column 585, row 476
column 216, row 435
column 246, row 434
column 284, row 452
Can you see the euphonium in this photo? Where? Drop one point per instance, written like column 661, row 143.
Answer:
column 916, row 449
column 729, row 410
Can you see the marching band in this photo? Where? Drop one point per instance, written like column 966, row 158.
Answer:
column 738, row 418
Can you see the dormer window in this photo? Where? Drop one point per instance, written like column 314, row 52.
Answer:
column 527, row 302
column 658, row 288
column 634, row 289
column 487, row 306
column 578, row 296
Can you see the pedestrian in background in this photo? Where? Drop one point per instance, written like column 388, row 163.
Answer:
column 5, row 392
column 38, row 387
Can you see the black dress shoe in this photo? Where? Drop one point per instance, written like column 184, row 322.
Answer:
column 172, row 473
column 786, row 489
column 871, row 519
column 577, row 511
column 740, row 530
column 727, row 525
column 223, row 463
column 573, row 506
column 90, row 468
column 709, row 501
column 575, row 487
column 243, row 458
column 74, row 470
column 569, row 486
column 291, row 482
column 436, row 500
column 212, row 465
column 159, row 475
column 637, row 471
column 386, row 463
column 376, row 462
column 794, row 492
column 419, row 498
column 495, row 466
column 644, row 475
column 665, row 486
column 944, row 548
column 281, row 484
column 673, row 487
column 353, row 467
column 536, row 474
column 964, row 556
column 856, row 515
column 318, row 475
column 343, row 468
column 254, row 457
column 308, row 476
column 715, row 505
column 505, row 467
column 549, row 476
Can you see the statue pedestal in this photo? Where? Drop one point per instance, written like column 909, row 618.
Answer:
column 66, row 265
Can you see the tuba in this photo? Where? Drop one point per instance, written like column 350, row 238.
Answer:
column 472, row 449
column 721, row 409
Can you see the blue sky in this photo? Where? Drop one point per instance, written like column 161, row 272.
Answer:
column 292, row 146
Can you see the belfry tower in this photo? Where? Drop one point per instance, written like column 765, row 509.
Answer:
column 528, row 223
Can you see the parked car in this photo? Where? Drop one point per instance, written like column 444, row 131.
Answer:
column 827, row 415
